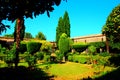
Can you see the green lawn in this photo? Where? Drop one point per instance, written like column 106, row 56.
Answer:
column 68, row 70
column 71, row 70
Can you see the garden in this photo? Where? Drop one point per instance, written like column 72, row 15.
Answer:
column 82, row 61
column 31, row 58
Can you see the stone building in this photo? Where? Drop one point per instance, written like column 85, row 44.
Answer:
column 90, row 38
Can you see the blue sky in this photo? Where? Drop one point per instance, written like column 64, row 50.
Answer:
column 86, row 17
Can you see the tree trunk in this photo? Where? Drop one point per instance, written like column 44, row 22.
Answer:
column 19, row 27
column 107, row 45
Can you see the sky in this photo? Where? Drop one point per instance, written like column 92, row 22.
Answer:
column 87, row 17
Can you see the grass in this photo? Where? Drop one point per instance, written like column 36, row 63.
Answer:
column 68, row 70
column 73, row 71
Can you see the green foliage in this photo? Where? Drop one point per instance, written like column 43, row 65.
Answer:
column 63, row 27
column 115, row 45
column 70, row 58
column 3, row 50
column 40, row 36
column 23, row 47
column 115, row 60
column 98, row 44
column 78, row 58
column 33, row 47
column 79, row 47
column 0, row 48
column 46, row 46
column 47, row 58
column 40, row 55
column 112, row 27
column 30, row 59
column 28, row 35
column 59, row 30
column 92, row 49
column 9, row 35
column 104, row 54
column 10, row 58
column 64, row 46
column 59, row 55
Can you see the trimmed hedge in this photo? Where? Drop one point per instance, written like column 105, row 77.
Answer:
column 23, row 47
column 80, row 47
column 33, row 47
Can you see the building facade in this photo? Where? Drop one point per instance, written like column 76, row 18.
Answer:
column 90, row 38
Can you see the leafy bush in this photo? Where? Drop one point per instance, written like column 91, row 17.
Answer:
column 3, row 50
column 70, row 57
column 47, row 58
column 79, row 47
column 78, row 58
column 23, row 47
column 40, row 55
column 33, row 47
column 97, row 44
column 82, row 60
column 59, row 55
column 92, row 49
column 100, row 60
column 10, row 58
column 104, row 54
column 30, row 59
column 46, row 46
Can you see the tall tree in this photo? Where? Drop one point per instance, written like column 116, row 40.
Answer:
column 66, row 23
column 59, row 29
column 19, row 9
column 63, row 26
column 40, row 36
column 112, row 27
column 22, row 31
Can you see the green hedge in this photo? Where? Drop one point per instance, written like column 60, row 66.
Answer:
column 79, row 47
column 78, row 58
column 33, row 47
column 23, row 47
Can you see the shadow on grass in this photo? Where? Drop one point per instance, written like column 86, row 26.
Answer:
column 113, row 75
column 23, row 73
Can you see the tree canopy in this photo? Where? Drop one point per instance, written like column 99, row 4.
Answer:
column 112, row 26
column 13, row 9
column 40, row 36
column 28, row 35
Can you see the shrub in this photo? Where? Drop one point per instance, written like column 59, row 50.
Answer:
column 97, row 44
column 30, row 59
column 59, row 56
column 70, row 57
column 79, row 47
column 104, row 54
column 46, row 46
column 47, row 58
column 82, row 60
column 33, row 47
column 10, row 58
column 92, row 49
column 3, row 50
column 40, row 55
column 23, row 47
